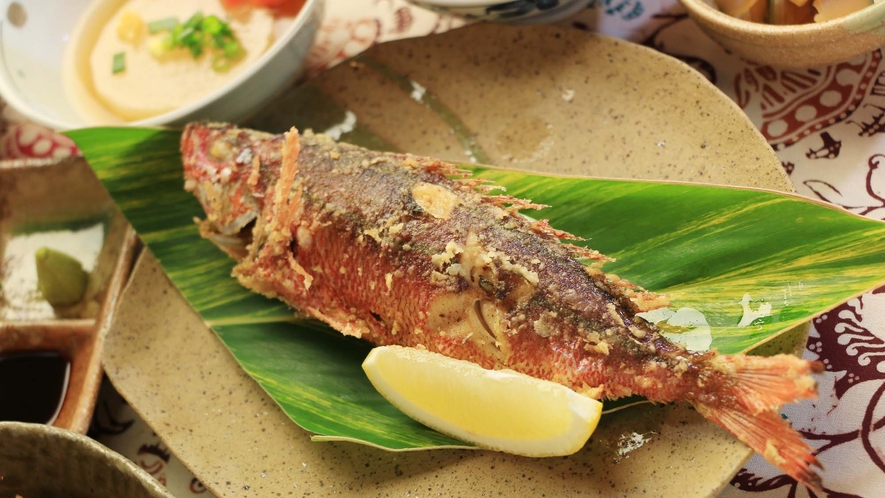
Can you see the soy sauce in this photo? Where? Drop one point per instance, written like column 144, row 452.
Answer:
column 32, row 386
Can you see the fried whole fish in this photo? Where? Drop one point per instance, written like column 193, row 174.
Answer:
column 400, row 249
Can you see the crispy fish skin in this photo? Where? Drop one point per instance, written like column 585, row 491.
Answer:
column 391, row 248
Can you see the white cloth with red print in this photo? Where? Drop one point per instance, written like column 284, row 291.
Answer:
column 827, row 126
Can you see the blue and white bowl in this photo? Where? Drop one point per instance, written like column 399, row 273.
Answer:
column 512, row 11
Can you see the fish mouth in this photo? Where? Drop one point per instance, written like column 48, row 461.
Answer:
column 235, row 244
column 217, row 169
column 227, row 226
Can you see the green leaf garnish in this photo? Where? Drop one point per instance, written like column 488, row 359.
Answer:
column 704, row 246
column 159, row 25
column 119, row 63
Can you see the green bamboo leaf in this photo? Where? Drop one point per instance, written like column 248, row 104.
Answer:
column 752, row 263
column 712, row 246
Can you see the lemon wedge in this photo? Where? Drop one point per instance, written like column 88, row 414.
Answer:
column 496, row 409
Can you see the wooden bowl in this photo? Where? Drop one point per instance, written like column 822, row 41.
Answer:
column 796, row 46
column 41, row 461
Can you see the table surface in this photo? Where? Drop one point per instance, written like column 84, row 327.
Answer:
column 827, row 126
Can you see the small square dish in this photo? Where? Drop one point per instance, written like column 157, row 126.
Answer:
column 50, row 366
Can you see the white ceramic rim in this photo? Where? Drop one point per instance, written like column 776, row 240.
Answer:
column 10, row 93
column 716, row 16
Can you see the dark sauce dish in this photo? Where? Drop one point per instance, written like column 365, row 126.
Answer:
column 33, row 386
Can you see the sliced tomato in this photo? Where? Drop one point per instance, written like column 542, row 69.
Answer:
column 280, row 7
column 270, row 4
column 232, row 4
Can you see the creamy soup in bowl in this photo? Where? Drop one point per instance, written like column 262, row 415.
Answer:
column 152, row 62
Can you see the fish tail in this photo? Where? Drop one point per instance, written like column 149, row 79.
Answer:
column 763, row 382
column 773, row 438
column 749, row 407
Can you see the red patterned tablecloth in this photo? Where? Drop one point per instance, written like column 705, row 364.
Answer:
column 827, row 125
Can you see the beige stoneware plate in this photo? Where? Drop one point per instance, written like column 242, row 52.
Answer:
column 540, row 98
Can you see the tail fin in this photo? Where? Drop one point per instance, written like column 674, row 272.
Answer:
column 758, row 386
column 772, row 437
column 763, row 383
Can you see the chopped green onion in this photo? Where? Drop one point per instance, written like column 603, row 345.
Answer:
column 192, row 24
column 220, row 64
column 213, row 25
column 196, row 49
column 232, row 49
column 166, row 24
column 119, row 63
column 200, row 33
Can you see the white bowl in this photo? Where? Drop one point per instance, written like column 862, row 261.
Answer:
column 510, row 11
column 32, row 56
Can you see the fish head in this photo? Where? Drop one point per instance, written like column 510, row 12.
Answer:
column 228, row 170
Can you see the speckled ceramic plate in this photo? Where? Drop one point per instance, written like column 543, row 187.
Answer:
column 538, row 98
